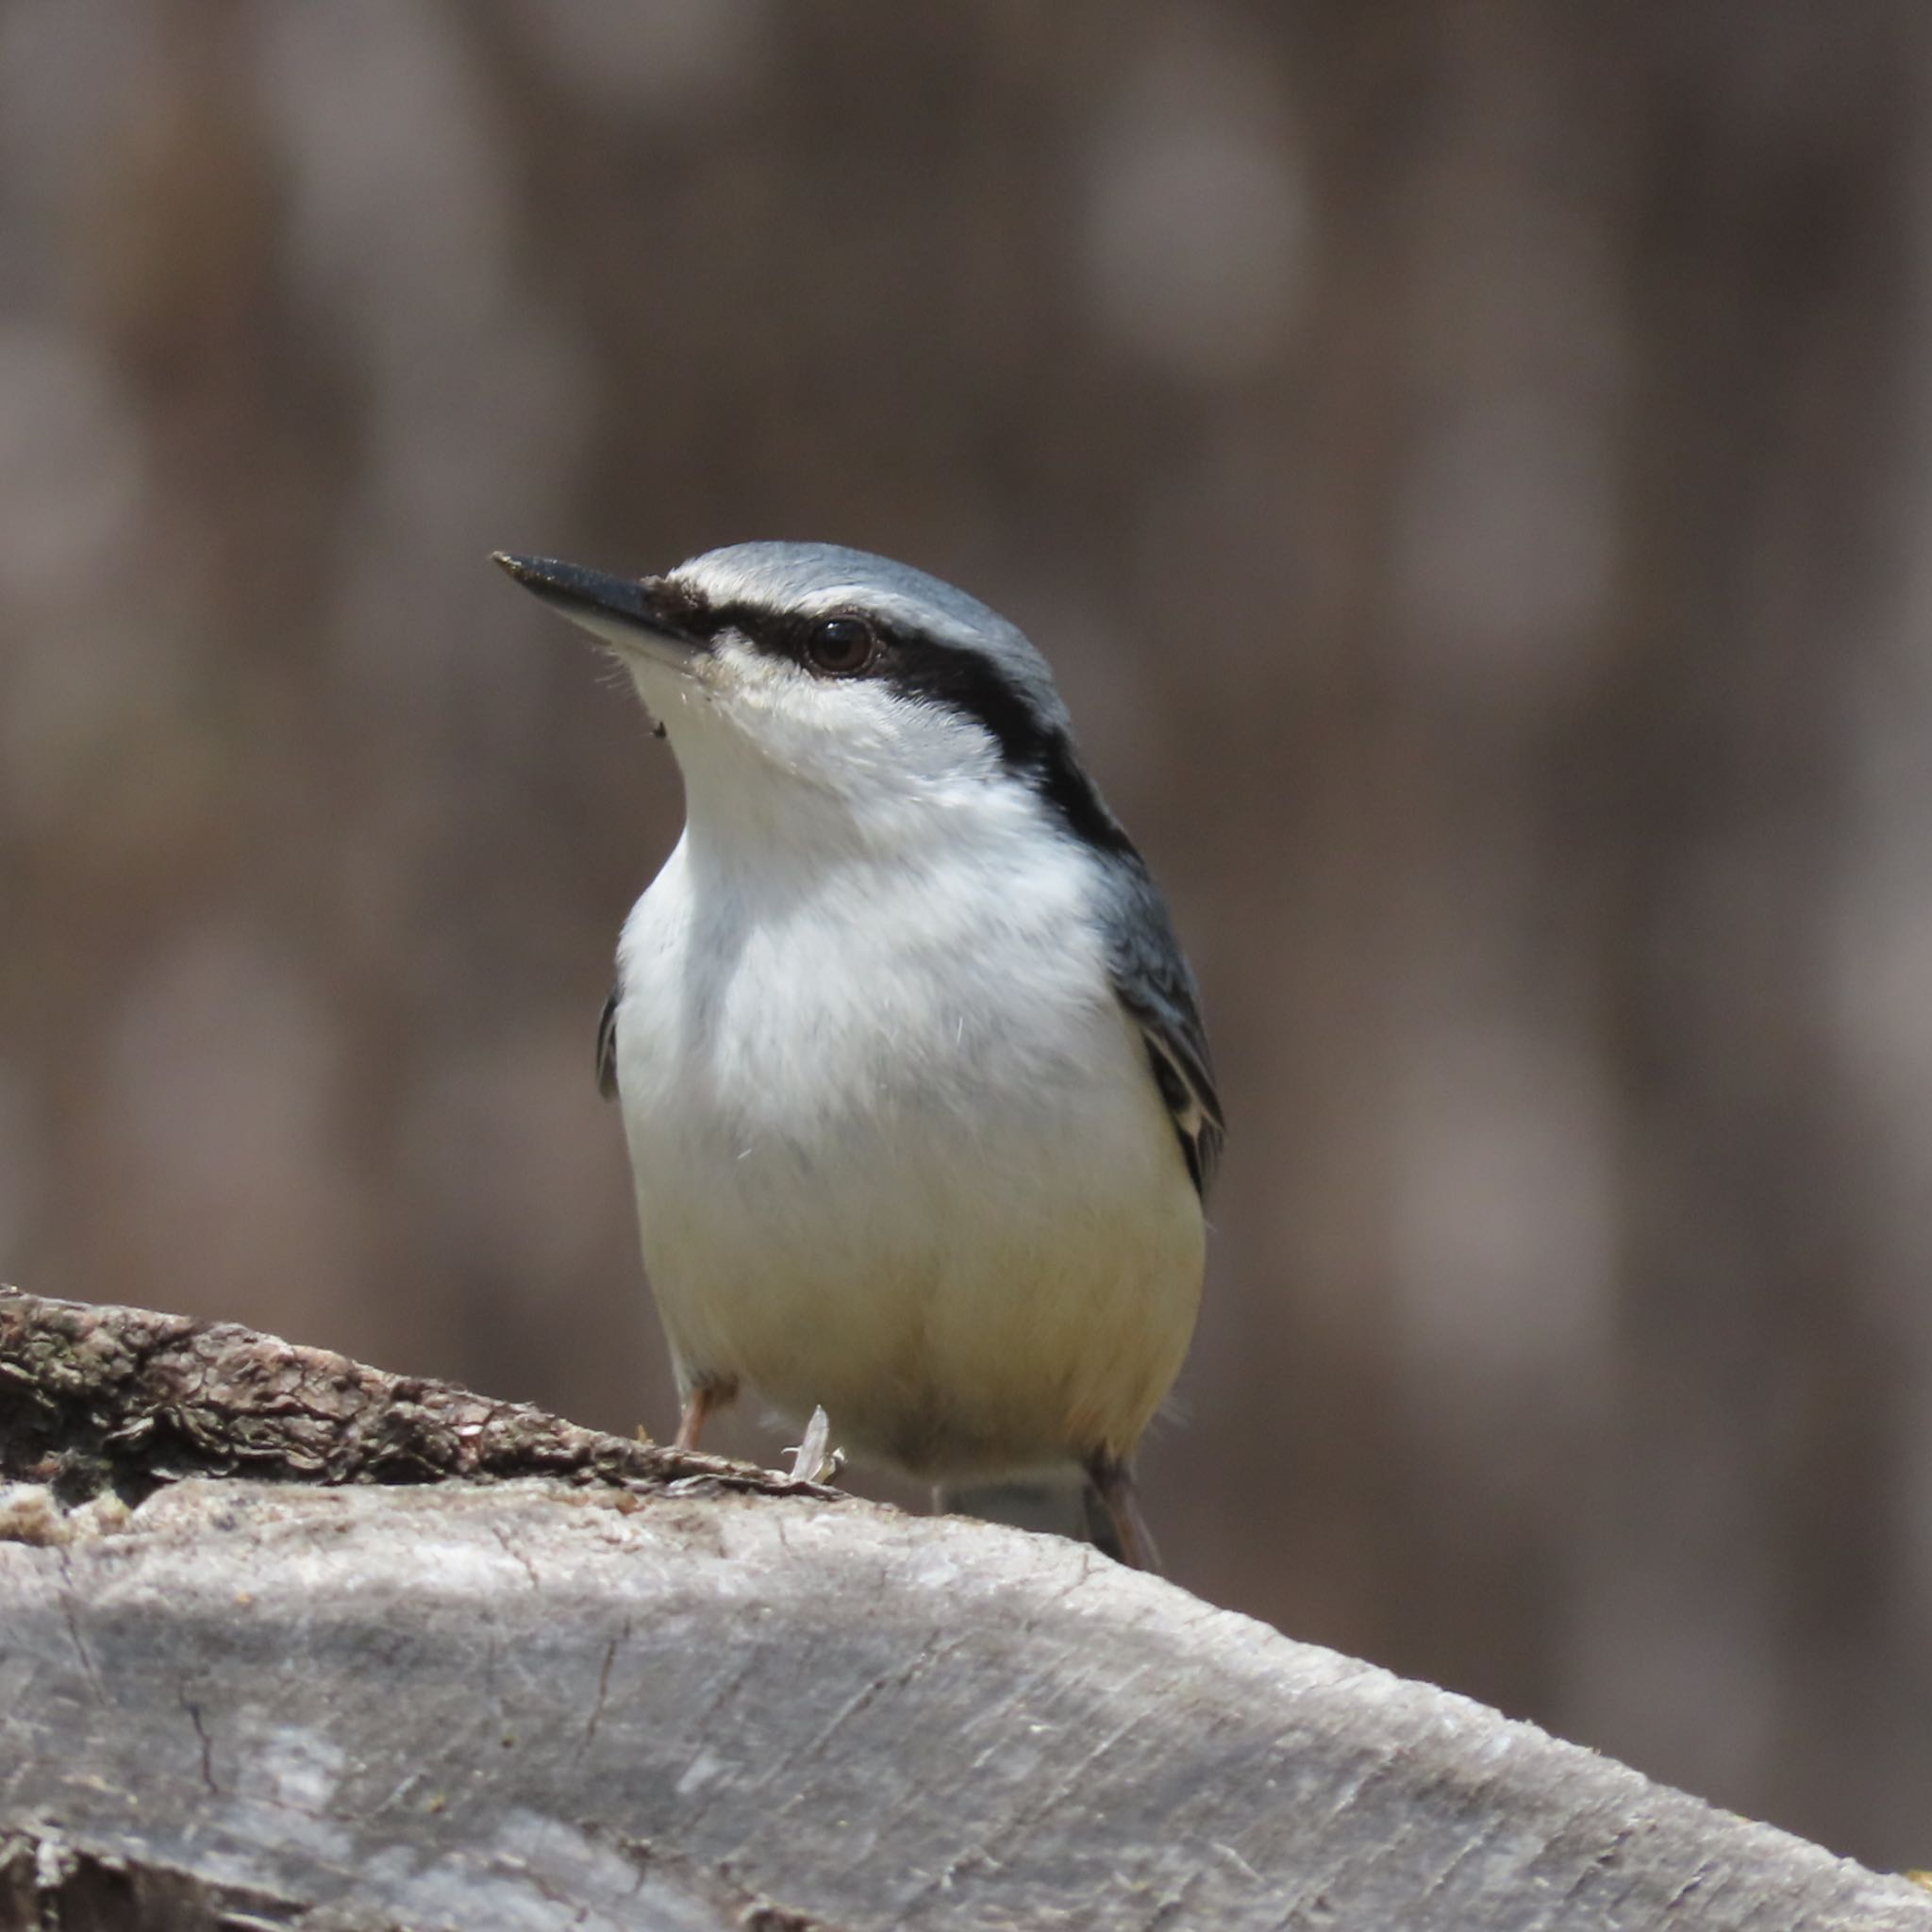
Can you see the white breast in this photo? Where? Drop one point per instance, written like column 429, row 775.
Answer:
column 897, row 1147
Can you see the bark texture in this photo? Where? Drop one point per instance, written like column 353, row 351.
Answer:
column 121, row 1401
column 287, row 1641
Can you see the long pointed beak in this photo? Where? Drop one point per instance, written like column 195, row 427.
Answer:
column 635, row 616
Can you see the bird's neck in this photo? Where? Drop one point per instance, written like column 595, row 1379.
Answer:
column 744, row 819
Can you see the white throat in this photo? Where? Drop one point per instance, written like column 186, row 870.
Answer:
column 783, row 779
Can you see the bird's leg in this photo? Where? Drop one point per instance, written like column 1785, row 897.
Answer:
column 700, row 1399
column 1113, row 1484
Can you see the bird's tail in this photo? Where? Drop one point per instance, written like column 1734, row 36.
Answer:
column 1074, row 1508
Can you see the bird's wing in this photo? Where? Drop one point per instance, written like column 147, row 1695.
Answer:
column 607, row 1045
column 1152, row 981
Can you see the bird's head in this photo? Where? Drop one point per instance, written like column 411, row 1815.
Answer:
column 802, row 676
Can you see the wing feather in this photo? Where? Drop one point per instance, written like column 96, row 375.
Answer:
column 1153, row 982
column 1181, row 1072
column 607, row 1045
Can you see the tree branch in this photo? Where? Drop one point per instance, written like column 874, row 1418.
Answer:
column 285, row 1640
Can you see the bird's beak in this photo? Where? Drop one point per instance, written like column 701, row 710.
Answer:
column 637, row 617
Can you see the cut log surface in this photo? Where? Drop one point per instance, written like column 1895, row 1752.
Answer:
column 286, row 1642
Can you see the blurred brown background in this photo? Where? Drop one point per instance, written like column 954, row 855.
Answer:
column 1468, row 461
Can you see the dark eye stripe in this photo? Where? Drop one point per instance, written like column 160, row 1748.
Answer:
column 965, row 682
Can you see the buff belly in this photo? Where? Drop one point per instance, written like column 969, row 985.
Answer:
column 973, row 1274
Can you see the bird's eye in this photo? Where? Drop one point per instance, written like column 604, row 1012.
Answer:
column 842, row 646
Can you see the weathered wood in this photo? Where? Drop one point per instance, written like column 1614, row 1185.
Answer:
column 93, row 1399
column 286, row 1642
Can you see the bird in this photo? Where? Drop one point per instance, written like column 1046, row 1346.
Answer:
column 911, row 1066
